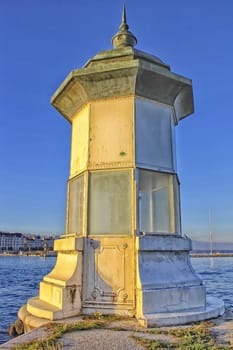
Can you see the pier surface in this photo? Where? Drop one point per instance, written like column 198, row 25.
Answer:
column 121, row 334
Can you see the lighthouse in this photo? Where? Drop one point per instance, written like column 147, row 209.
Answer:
column 123, row 251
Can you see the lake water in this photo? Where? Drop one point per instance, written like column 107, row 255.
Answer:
column 19, row 281
column 20, row 277
column 217, row 275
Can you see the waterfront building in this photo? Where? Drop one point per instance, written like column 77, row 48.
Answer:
column 11, row 241
column 123, row 251
column 48, row 242
column 15, row 242
column 34, row 242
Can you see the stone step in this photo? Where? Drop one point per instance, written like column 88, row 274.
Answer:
column 40, row 308
column 30, row 321
column 214, row 308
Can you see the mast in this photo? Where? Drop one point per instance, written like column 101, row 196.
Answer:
column 210, row 234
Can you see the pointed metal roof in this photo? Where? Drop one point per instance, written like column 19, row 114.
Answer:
column 124, row 71
column 124, row 37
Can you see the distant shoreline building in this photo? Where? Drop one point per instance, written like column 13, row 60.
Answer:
column 16, row 242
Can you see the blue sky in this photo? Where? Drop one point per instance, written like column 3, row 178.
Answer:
column 41, row 41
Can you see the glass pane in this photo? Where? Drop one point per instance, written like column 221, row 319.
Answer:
column 177, row 206
column 110, row 203
column 154, row 138
column 144, row 210
column 155, row 202
column 160, row 205
column 75, row 206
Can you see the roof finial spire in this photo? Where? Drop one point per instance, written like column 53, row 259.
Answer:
column 124, row 37
column 124, row 25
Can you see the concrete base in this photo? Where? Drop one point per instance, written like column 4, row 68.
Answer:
column 214, row 308
column 169, row 292
column 60, row 291
column 29, row 321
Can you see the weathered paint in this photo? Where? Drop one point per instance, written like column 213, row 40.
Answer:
column 80, row 141
column 111, row 133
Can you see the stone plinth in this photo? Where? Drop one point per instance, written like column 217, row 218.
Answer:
column 60, row 291
column 168, row 290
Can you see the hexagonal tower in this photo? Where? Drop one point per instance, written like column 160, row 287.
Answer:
column 123, row 251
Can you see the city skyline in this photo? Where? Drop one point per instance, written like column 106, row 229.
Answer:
column 43, row 41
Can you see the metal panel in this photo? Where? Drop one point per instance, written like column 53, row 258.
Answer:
column 111, row 133
column 108, row 279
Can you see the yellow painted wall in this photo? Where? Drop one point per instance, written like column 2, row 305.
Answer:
column 112, row 133
column 79, row 142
